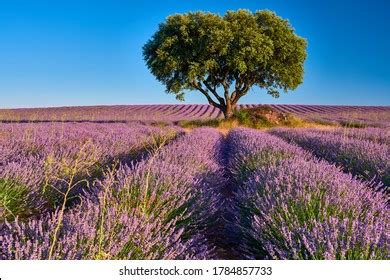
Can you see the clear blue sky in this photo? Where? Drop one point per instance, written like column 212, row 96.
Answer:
column 79, row 52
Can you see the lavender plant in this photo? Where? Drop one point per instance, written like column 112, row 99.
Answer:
column 148, row 210
column 126, row 236
column 52, row 160
column 296, row 207
column 377, row 135
column 361, row 157
column 160, row 193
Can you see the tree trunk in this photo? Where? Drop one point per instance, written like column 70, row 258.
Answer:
column 228, row 110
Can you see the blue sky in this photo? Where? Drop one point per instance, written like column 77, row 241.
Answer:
column 55, row 53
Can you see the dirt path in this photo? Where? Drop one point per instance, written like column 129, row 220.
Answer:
column 224, row 232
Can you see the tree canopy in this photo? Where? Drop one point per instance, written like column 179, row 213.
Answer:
column 223, row 57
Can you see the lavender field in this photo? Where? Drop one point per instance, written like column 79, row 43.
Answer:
column 112, row 182
column 350, row 116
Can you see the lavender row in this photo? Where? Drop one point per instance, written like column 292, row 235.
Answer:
column 364, row 158
column 292, row 206
column 153, row 210
column 111, row 114
column 359, row 117
column 172, row 113
column 39, row 163
column 376, row 135
column 18, row 141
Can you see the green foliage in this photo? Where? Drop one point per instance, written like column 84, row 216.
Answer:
column 13, row 199
column 200, row 123
column 322, row 122
column 354, row 124
column 207, row 52
column 258, row 117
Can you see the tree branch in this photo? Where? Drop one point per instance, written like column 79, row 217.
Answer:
column 238, row 82
column 242, row 89
column 206, row 94
column 214, row 92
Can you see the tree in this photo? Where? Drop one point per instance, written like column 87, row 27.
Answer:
column 224, row 57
